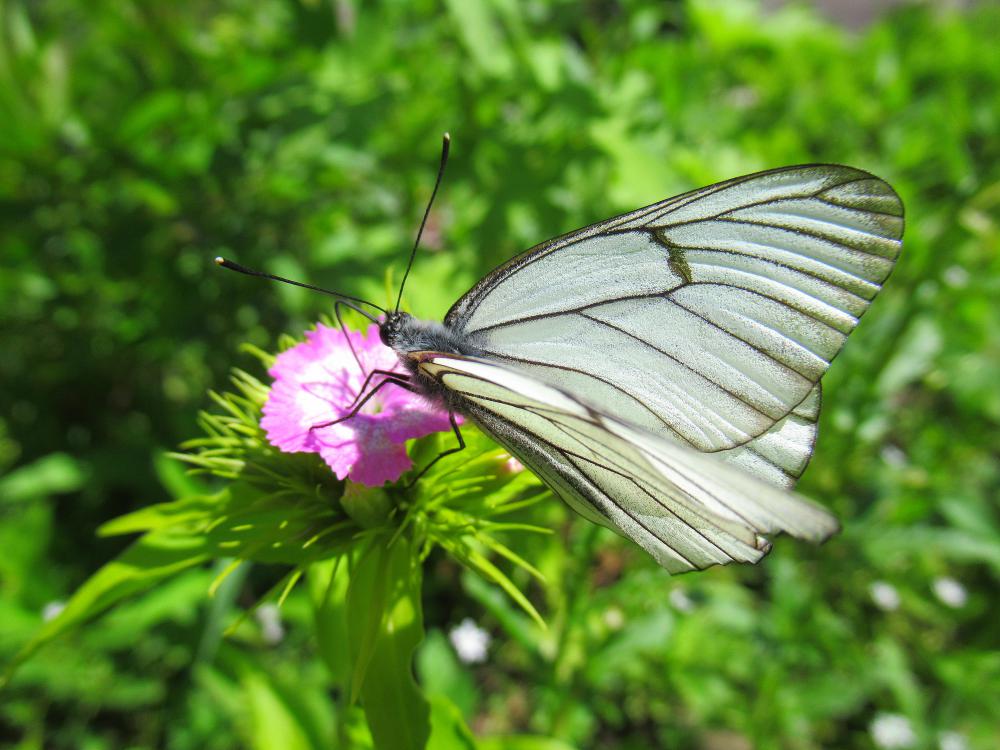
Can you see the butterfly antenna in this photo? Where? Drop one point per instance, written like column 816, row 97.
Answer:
column 345, row 298
column 445, row 146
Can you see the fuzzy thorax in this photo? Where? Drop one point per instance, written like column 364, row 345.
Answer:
column 407, row 335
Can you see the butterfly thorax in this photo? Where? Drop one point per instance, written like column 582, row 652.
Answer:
column 405, row 334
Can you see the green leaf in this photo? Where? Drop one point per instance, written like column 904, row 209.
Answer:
column 273, row 722
column 164, row 515
column 176, row 478
column 441, row 673
column 223, row 595
column 519, row 627
column 391, row 624
column 49, row 475
column 277, row 708
column 448, row 728
column 148, row 561
column 482, row 35
column 522, row 742
column 954, row 544
column 488, row 570
column 327, row 583
column 366, row 606
column 897, row 675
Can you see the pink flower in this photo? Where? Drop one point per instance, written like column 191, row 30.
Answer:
column 318, row 380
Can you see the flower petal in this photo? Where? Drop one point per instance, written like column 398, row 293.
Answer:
column 319, row 381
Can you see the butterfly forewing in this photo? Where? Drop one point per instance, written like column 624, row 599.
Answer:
column 707, row 318
column 687, row 509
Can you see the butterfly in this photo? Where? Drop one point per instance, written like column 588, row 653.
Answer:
column 660, row 370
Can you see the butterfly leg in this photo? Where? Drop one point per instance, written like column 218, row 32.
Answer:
column 442, row 454
column 390, row 374
column 356, row 407
column 368, row 377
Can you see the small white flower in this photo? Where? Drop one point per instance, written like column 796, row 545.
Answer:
column 52, row 610
column 894, row 456
column 956, row 276
column 892, row 732
column 884, row 595
column 680, row 600
column 470, row 642
column 269, row 618
column 614, row 618
column 950, row 592
column 742, row 97
column 952, row 741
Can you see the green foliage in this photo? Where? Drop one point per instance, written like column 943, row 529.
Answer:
column 139, row 140
column 364, row 548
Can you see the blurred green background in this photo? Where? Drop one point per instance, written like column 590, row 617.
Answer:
column 138, row 140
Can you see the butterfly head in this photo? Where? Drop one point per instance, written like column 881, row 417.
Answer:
column 395, row 329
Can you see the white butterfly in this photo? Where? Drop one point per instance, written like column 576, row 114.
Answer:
column 660, row 370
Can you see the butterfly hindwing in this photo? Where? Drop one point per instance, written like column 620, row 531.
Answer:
column 781, row 454
column 687, row 509
column 730, row 301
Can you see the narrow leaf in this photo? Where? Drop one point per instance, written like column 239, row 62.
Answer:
column 148, row 561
